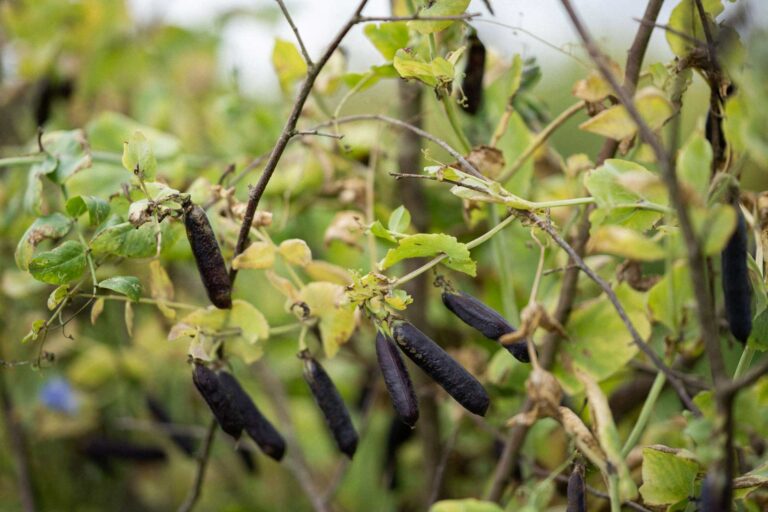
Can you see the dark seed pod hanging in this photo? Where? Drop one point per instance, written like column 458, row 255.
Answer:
column 210, row 262
column 332, row 406
column 441, row 367
column 737, row 291
column 254, row 423
column 247, row 460
column 577, row 498
column 473, row 74
column 488, row 321
column 186, row 443
column 397, row 380
column 218, row 400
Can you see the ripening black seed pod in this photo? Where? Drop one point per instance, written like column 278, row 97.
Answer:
column 488, row 321
column 210, row 262
column 577, row 498
column 473, row 74
column 441, row 367
column 331, row 405
column 185, row 442
column 254, row 423
column 397, row 380
column 218, row 400
column 737, row 292
column 247, row 460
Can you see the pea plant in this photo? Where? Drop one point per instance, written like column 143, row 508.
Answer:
column 579, row 330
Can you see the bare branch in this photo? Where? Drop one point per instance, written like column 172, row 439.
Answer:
column 288, row 18
column 319, row 134
column 745, row 380
column 202, row 465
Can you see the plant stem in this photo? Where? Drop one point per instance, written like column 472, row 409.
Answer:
column 613, row 489
column 142, row 300
column 202, row 465
column 744, row 361
column 21, row 160
column 565, row 202
column 500, row 248
column 453, row 119
column 645, row 414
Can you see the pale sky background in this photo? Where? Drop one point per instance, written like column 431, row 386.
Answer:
column 247, row 41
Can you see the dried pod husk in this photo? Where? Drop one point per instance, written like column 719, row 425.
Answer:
column 210, row 262
column 441, row 367
column 474, row 71
column 397, row 435
column 397, row 380
column 585, row 441
column 254, row 423
column 737, row 292
column 577, row 498
column 185, row 442
column 485, row 319
column 218, row 400
column 332, row 406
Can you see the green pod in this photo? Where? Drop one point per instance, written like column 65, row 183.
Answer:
column 485, row 319
column 210, row 262
column 219, row 401
column 441, row 367
column 254, row 423
column 332, row 406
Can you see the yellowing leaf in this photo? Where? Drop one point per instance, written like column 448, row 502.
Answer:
column 432, row 244
column 327, row 302
column 296, row 252
column 437, row 72
column 161, row 288
column 138, row 156
column 289, row 64
column 693, row 167
column 667, row 478
column 685, row 18
column 387, row 37
column 594, row 88
column 257, row 255
column 625, row 242
column 211, row 320
column 320, row 270
column 615, row 122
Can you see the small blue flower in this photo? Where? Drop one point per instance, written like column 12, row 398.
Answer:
column 58, row 395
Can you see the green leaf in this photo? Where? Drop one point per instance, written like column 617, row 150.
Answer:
column 399, row 220
column 379, row 231
column 465, row 505
column 327, row 302
column 758, row 338
column 621, row 182
column 616, row 123
column 62, row 265
column 289, row 64
column 138, row 155
column 97, row 208
column 71, row 151
column 426, row 245
column 435, row 73
column 33, row 195
column 296, row 252
column 129, row 286
column 439, row 8
column 625, row 242
column 34, row 332
column 50, row 227
column 667, row 478
column 371, row 77
column 685, row 18
column 694, row 166
column 387, row 37
column 599, row 342
column 251, row 322
column 126, row 241
column 56, row 296
column 109, row 130
column 671, row 297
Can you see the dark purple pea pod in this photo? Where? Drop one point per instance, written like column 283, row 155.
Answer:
column 397, row 380
column 332, row 406
column 474, row 71
column 210, row 262
column 737, row 291
column 254, row 423
column 185, row 442
column 441, row 367
column 577, row 498
column 218, row 400
column 485, row 319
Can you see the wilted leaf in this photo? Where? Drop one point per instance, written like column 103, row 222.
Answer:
column 694, row 166
column 71, row 151
column 56, row 296
column 258, row 255
column 320, row 270
column 437, row 72
column 129, row 286
column 50, row 227
column 282, row 285
column 126, row 241
column 616, row 123
column 62, row 265
column 594, row 88
column 295, row 252
column 685, row 18
column 128, row 317
column 97, row 309
column 161, row 288
column 97, row 208
column 625, row 242
column 327, row 302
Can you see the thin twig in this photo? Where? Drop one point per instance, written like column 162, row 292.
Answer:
column 636, row 338
column 437, row 482
column 202, row 465
column 400, row 175
column 319, row 134
column 671, row 30
column 288, row 18
column 465, row 164
column 417, row 17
